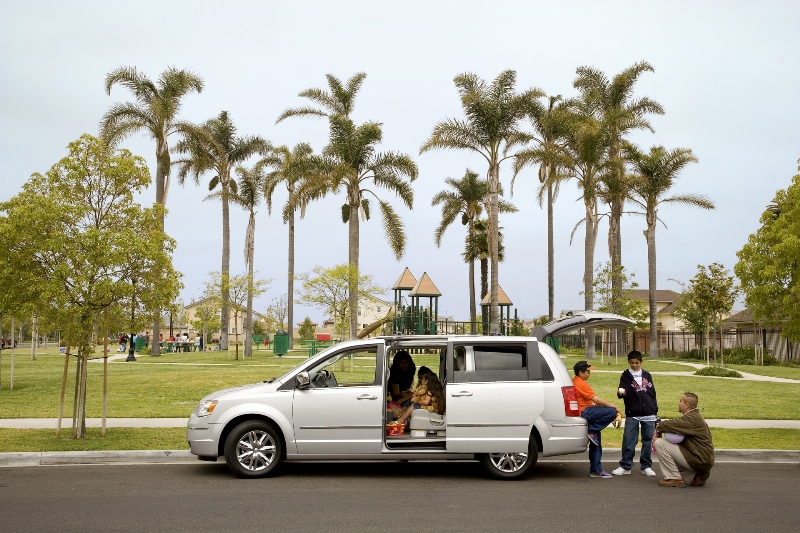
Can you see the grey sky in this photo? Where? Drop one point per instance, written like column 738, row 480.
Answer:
column 727, row 73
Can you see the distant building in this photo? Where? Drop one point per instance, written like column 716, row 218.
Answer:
column 666, row 303
column 235, row 323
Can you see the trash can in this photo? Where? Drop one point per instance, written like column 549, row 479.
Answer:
column 139, row 343
column 280, row 343
column 554, row 343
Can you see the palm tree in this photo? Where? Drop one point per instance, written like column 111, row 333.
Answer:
column 476, row 247
column 289, row 167
column 654, row 175
column 214, row 147
column 548, row 123
column 156, row 112
column 621, row 114
column 491, row 128
column 466, row 199
column 350, row 163
column 247, row 192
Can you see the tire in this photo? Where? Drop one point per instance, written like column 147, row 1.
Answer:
column 254, row 449
column 509, row 466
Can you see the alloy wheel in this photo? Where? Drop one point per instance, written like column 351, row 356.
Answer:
column 255, row 450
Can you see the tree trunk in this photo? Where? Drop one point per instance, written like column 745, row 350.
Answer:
column 484, row 278
column 494, row 193
column 588, row 269
column 615, row 253
column 248, row 320
column 550, row 254
column 290, row 288
column 162, row 168
column 473, row 315
column 353, row 228
column 650, row 236
column 225, row 318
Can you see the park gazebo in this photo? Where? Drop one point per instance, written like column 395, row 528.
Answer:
column 502, row 301
column 424, row 319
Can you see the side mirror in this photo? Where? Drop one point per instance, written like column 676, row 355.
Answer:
column 303, row 381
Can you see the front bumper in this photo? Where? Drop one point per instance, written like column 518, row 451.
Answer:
column 203, row 437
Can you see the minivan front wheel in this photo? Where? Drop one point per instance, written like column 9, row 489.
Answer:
column 510, row 465
column 254, row 449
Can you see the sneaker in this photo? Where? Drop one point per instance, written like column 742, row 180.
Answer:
column 603, row 474
column 648, row 472
column 679, row 482
column 620, row 472
column 594, row 438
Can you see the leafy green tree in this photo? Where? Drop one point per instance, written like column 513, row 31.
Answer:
column 654, row 175
column 712, row 293
column 353, row 165
column 239, row 288
column 328, row 289
column 277, row 313
column 466, row 198
column 214, row 148
column 494, row 113
column 607, row 300
column 768, row 264
column 207, row 316
column 306, row 330
column 289, row 167
column 79, row 247
column 155, row 111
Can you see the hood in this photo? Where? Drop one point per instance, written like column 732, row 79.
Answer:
column 234, row 390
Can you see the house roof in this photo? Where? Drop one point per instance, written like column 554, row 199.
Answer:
column 671, row 298
column 406, row 281
column 502, row 297
column 424, row 287
column 742, row 316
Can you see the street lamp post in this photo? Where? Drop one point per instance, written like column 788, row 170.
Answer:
column 131, row 356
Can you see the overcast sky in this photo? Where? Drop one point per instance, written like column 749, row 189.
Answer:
column 727, row 74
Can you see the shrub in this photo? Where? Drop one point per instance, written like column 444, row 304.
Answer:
column 306, row 330
column 718, row 371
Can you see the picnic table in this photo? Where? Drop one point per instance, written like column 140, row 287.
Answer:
column 179, row 346
column 315, row 346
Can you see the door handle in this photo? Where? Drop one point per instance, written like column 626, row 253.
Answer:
column 366, row 397
column 462, row 393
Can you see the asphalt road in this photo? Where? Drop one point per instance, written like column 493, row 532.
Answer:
column 420, row 497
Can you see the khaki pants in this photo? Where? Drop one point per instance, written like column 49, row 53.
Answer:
column 671, row 459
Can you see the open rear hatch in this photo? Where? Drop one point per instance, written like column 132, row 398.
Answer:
column 579, row 320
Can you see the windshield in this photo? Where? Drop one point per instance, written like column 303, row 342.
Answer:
column 303, row 362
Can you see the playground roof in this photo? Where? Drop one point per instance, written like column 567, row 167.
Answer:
column 405, row 281
column 502, row 298
column 425, row 287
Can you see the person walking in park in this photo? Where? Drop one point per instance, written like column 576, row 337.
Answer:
column 694, row 452
column 598, row 413
column 637, row 390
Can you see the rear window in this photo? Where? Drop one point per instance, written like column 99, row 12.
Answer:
column 496, row 362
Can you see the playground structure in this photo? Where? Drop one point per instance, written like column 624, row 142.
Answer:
column 411, row 316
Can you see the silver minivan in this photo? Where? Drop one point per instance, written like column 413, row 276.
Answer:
column 509, row 400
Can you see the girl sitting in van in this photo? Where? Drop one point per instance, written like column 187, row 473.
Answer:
column 432, row 400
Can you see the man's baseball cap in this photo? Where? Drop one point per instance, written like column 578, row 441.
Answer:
column 582, row 366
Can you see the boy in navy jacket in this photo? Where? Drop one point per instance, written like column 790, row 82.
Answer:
column 637, row 390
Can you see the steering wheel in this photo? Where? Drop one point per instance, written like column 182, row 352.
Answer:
column 323, row 379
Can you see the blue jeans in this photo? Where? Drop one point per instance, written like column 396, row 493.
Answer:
column 598, row 418
column 629, row 440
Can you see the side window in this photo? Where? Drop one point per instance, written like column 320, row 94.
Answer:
column 346, row 369
column 493, row 362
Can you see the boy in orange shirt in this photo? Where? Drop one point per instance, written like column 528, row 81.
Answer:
column 598, row 413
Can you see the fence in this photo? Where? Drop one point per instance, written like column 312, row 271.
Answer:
column 684, row 342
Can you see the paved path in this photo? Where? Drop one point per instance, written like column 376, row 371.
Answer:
column 698, row 366
column 50, row 423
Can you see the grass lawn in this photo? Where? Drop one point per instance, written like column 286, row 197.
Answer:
column 790, row 372
column 719, row 398
column 44, row 440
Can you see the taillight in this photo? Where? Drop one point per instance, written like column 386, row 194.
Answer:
column 570, row 401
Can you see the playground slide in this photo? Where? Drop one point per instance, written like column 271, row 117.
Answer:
column 375, row 325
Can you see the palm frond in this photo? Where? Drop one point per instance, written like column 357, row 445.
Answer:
column 394, row 229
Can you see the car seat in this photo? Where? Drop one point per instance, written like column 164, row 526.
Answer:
column 432, row 424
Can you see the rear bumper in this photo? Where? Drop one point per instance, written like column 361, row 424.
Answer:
column 564, row 437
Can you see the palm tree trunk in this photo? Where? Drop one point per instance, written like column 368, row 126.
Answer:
column 650, row 235
column 290, row 288
column 353, row 259
column 473, row 315
column 484, row 278
column 248, row 321
column 588, row 269
column 494, row 192
column 226, row 268
column 615, row 253
column 550, row 254
column 162, row 166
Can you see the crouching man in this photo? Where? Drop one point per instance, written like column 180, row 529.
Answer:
column 694, row 453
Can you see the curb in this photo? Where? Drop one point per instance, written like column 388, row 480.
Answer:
column 18, row 459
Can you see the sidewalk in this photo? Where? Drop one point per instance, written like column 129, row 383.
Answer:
column 50, row 423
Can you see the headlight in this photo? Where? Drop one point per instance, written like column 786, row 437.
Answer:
column 205, row 408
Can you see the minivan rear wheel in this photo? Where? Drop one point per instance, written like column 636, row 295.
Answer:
column 254, row 449
column 510, row 465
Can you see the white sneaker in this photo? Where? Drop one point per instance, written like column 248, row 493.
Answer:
column 648, row 472
column 622, row 472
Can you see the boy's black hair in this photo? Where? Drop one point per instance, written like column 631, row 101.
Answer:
column 635, row 354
